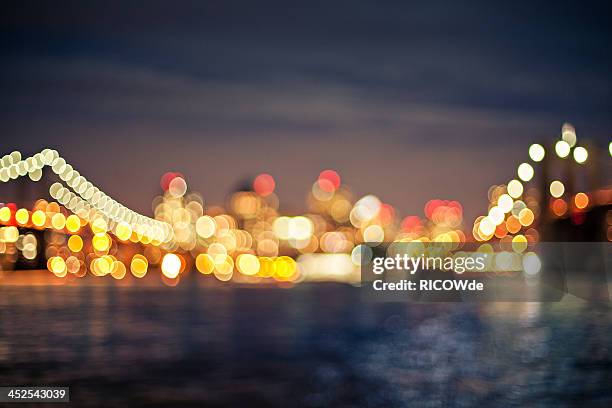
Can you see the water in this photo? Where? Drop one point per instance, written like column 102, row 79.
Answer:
column 310, row 346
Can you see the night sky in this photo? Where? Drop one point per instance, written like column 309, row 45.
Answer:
column 409, row 101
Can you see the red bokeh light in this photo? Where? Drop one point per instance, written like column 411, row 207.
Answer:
column 558, row 207
column 386, row 214
column 264, row 184
column 13, row 208
column 165, row 180
column 411, row 223
column 329, row 181
column 443, row 208
column 431, row 206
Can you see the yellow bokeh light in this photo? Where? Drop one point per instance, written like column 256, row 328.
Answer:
column 57, row 266
column 284, row 268
column 101, row 242
column 119, row 270
column 22, row 216
column 205, row 264
column 5, row 214
column 75, row 243
column 248, row 264
column 526, row 217
column 515, row 189
column 557, row 189
column 123, row 231
column 536, row 152
column 73, row 223
column 171, row 265
column 267, row 266
column 39, row 218
column 58, row 221
column 139, row 266
column 519, row 243
column 224, row 265
column 104, row 265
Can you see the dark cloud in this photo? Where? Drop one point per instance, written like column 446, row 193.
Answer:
column 379, row 90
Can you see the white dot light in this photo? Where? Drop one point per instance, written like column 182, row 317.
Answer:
column 562, row 148
column 536, row 152
column 581, row 154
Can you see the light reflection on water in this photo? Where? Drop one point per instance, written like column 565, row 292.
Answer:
column 311, row 345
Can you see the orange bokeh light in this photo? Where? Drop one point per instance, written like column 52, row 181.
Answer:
column 581, row 200
column 559, row 207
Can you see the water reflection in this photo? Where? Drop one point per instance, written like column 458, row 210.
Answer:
column 315, row 346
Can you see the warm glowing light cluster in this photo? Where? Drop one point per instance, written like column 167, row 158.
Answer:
column 568, row 141
column 82, row 197
column 514, row 208
column 249, row 241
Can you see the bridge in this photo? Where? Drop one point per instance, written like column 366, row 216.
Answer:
column 561, row 192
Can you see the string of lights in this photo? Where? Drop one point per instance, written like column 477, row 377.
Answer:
column 89, row 202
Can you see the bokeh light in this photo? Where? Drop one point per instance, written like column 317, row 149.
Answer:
column 581, row 201
column 171, row 265
column 264, row 184
column 205, row 264
column 39, row 218
column 73, row 223
column 329, row 180
column 536, row 152
column 75, row 243
column 562, row 148
column 568, row 134
column 5, row 214
column 515, row 189
column 580, row 154
column 525, row 171
column 557, row 188
column 22, row 216
column 58, row 221
column 139, row 266
column 248, row 264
